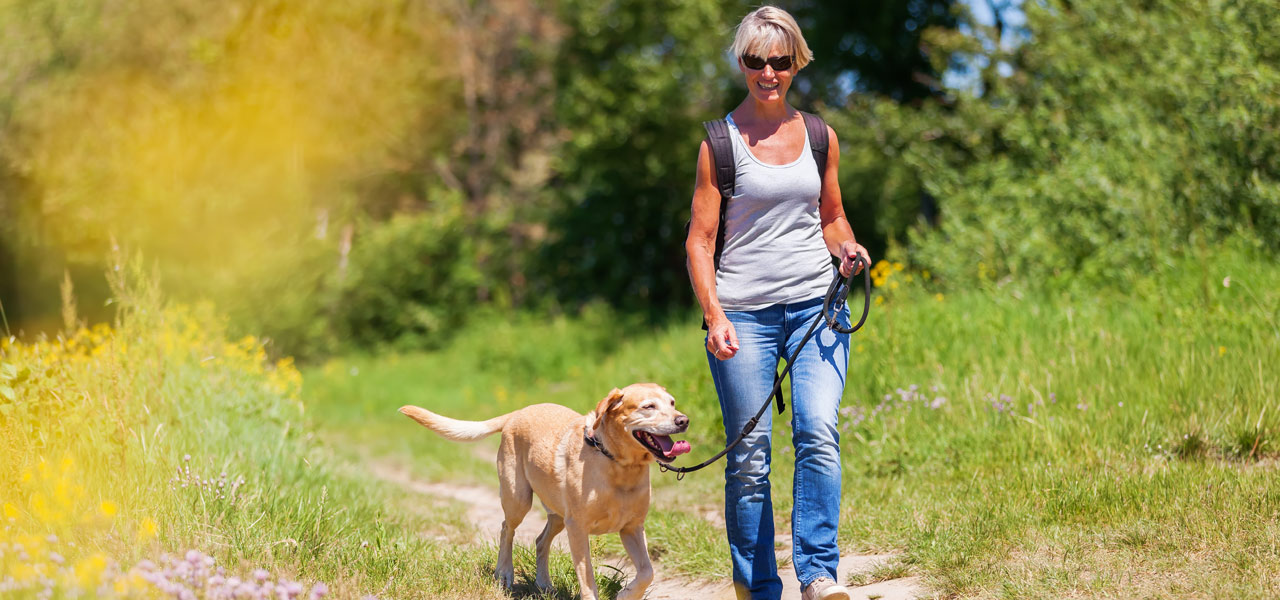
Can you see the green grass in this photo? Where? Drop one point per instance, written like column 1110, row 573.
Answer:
column 1069, row 443
column 1078, row 443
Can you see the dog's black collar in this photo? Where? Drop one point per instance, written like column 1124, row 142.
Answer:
column 594, row 443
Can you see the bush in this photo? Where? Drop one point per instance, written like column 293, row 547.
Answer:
column 1117, row 138
column 410, row 280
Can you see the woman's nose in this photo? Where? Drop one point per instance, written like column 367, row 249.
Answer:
column 768, row 70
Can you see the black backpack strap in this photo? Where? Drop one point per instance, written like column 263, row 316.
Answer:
column 726, row 170
column 818, row 140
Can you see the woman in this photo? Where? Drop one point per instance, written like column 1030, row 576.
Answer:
column 782, row 225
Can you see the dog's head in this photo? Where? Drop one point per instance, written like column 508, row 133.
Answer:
column 640, row 418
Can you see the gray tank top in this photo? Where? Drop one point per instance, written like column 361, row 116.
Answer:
column 773, row 248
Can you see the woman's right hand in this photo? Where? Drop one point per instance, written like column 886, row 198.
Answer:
column 722, row 339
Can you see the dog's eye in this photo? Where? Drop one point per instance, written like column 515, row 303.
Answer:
column 649, row 406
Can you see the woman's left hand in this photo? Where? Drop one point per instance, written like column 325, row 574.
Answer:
column 848, row 250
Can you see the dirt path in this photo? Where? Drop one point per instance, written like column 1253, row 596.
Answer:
column 484, row 511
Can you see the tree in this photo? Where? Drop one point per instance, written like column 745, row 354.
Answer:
column 635, row 78
column 1122, row 135
column 870, row 46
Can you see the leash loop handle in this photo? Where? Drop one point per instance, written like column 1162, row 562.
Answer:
column 838, row 292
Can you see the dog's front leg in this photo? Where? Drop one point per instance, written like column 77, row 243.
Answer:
column 633, row 541
column 580, row 550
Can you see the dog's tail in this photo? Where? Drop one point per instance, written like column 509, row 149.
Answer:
column 454, row 429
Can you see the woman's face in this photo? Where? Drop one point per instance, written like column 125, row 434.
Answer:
column 767, row 84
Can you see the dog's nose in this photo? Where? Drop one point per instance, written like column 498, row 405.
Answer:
column 682, row 422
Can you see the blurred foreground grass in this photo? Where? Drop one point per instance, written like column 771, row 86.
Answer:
column 1009, row 442
column 158, row 458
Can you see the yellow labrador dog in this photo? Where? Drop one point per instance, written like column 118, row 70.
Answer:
column 590, row 471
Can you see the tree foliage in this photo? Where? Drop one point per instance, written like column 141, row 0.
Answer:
column 1123, row 135
column 635, row 80
column 870, row 47
column 358, row 171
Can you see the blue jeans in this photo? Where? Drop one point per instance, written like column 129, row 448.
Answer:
column 817, row 383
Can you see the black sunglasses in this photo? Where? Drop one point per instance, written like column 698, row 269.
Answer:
column 755, row 63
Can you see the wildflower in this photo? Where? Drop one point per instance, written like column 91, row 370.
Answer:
column 108, row 508
column 146, row 529
column 1222, row 350
column 1226, row 281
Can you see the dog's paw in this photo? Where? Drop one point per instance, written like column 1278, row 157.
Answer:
column 544, row 584
column 633, row 591
column 505, row 577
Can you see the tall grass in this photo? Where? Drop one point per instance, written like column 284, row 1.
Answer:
column 159, row 436
column 1008, row 441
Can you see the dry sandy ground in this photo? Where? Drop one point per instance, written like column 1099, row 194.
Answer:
column 485, row 514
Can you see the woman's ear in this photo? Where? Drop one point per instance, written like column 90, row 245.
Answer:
column 605, row 405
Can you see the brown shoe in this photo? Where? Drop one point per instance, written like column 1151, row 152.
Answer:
column 823, row 588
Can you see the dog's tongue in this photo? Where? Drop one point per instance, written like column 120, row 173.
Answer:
column 672, row 449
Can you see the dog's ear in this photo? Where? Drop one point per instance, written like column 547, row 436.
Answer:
column 610, row 402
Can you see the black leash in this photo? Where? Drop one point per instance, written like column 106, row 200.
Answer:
column 837, row 293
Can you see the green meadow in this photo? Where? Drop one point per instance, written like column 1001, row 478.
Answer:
column 1002, row 441
column 1005, row 442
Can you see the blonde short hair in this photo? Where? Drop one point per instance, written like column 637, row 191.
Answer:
column 763, row 27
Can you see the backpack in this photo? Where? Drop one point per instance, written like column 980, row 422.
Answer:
column 726, row 170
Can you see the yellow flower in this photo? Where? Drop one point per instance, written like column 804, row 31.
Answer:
column 1222, row 350
column 10, row 511
column 147, row 529
column 938, row 297
column 89, row 571
column 23, row 573
column 124, row 586
column 108, row 508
